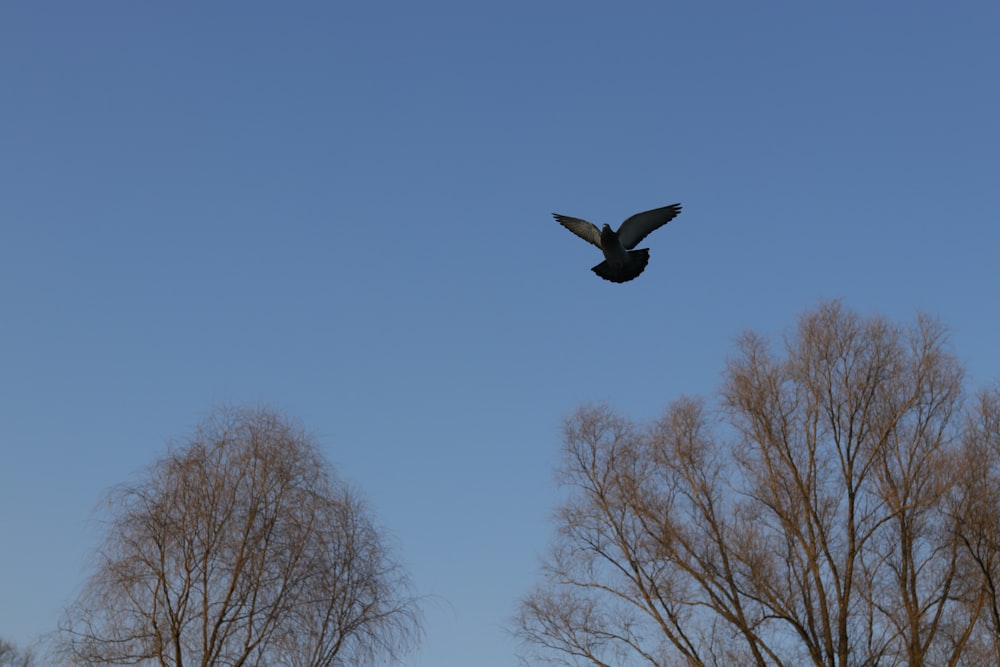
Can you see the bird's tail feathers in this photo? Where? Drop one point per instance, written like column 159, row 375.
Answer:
column 637, row 260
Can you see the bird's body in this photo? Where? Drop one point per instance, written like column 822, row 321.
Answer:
column 621, row 263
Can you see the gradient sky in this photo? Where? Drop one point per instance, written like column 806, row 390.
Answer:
column 342, row 210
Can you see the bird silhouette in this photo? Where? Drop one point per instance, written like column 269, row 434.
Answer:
column 621, row 263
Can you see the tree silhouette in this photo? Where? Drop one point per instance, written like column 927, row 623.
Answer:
column 828, row 512
column 241, row 548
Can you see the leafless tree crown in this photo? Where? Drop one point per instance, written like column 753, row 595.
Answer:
column 840, row 507
column 12, row 656
column 240, row 548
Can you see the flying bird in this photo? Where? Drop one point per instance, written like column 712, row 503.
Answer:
column 621, row 263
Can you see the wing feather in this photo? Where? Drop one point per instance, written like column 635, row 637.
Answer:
column 587, row 231
column 637, row 227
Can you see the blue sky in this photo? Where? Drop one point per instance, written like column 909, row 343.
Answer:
column 342, row 210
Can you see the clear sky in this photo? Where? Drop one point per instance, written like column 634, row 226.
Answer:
column 342, row 210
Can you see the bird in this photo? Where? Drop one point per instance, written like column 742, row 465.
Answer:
column 621, row 263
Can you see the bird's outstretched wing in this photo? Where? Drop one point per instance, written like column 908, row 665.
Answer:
column 587, row 231
column 639, row 225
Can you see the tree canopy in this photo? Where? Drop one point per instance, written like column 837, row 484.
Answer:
column 836, row 505
column 241, row 547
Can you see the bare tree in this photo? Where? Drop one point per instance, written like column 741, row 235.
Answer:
column 976, row 507
column 12, row 656
column 241, row 548
column 810, row 520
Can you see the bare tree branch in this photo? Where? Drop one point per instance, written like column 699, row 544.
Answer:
column 830, row 517
column 241, row 548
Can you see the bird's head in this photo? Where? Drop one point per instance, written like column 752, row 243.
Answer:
column 608, row 236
